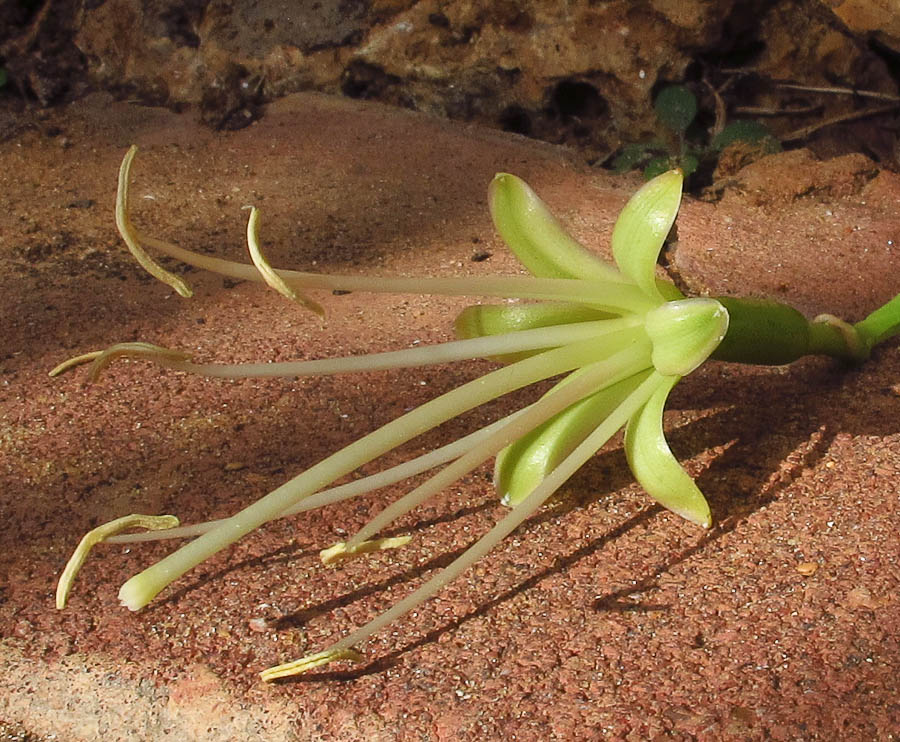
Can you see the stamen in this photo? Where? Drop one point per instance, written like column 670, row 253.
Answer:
column 593, row 378
column 123, row 223
column 609, row 295
column 395, row 474
column 270, row 276
column 454, row 350
column 76, row 361
column 167, row 357
column 143, row 587
column 310, row 662
column 101, row 533
column 342, row 551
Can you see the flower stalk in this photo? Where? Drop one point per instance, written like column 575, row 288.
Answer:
column 620, row 336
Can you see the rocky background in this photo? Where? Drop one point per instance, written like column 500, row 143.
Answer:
column 582, row 73
column 607, row 616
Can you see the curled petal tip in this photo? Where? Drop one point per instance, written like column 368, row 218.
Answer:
column 99, row 534
column 536, row 238
column 340, row 551
column 268, row 273
column 655, row 467
column 131, row 596
column 133, row 239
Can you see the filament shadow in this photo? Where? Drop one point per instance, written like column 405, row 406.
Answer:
column 766, row 448
column 560, row 564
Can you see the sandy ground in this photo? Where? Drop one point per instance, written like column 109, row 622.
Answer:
column 604, row 617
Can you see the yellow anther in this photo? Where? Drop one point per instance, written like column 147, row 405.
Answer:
column 268, row 272
column 309, row 662
column 101, row 533
column 341, row 552
column 131, row 237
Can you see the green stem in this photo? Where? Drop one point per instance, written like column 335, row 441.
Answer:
column 770, row 333
column 882, row 324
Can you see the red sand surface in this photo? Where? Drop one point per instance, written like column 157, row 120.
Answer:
column 603, row 617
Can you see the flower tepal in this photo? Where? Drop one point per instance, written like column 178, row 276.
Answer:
column 682, row 333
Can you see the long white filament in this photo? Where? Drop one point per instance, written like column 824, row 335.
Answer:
column 454, row 350
column 141, row 588
column 394, row 474
column 593, row 378
column 611, row 295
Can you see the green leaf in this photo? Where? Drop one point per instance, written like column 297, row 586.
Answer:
column 654, row 466
column 684, row 333
column 629, row 157
column 658, row 165
column 752, row 132
column 642, row 227
column 676, row 107
column 523, row 465
column 537, row 238
column 689, row 164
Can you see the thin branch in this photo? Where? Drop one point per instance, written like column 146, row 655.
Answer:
column 23, row 43
column 766, row 111
column 835, row 90
column 806, row 131
column 721, row 109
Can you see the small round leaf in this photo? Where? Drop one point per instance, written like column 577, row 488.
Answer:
column 676, row 107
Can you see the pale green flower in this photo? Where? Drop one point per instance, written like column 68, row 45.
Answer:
column 623, row 336
column 677, row 336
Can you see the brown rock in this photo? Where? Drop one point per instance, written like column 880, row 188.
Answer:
column 581, row 72
column 879, row 18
